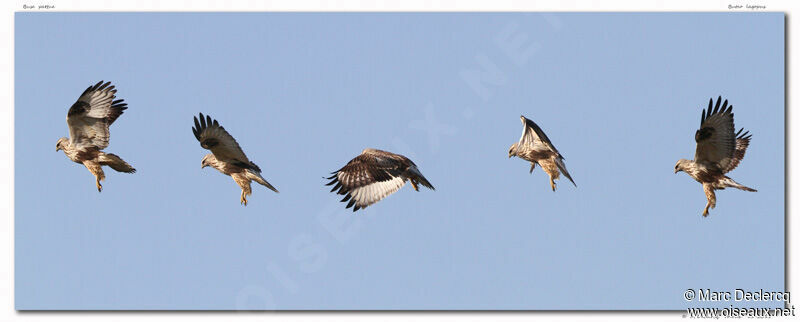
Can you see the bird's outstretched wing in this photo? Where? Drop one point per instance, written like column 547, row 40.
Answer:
column 742, row 142
column 369, row 177
column 716, row 139
column 92, row 114
column 534, row 137
column 214, row 137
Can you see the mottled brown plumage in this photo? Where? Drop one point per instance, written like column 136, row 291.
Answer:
column 226, row 156
column 373, row 175
column 535, row 147
column 89, row 120
column 719, row 150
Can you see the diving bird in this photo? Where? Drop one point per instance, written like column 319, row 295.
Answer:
column 534, row 146
column 719, row 150
column 88, row 121
column 373, row 175
column 226, row 155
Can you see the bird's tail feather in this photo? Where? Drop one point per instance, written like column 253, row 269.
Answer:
column 561, row 166
column 419, row 177
column 255, row 176
column 730, row 183
column 425, row 183
column 115, row 162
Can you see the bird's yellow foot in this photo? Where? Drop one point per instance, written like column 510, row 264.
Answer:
column 414, row 184
column 99, row 186
column 243, row 201
column 553, row 185
column 705, row 212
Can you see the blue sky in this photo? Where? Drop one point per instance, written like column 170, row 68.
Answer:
column 620, row 95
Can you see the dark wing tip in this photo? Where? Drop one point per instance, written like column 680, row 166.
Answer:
column 721, row 107
column 745, row 136
column 196, row 128
column 202, row 122
column 97, row 86
column 254, row 166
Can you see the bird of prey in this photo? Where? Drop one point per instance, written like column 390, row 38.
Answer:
column 535, row 147
column 719, row 150
column 226, row 155
column 88, row 121
column 373, row 175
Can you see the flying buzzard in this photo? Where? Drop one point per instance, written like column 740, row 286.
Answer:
column 226, row 155
column 88, row 121
column 373, row 175
column 719, row 150
column 534, row 146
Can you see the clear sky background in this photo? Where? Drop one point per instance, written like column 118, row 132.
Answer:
column 620, row 95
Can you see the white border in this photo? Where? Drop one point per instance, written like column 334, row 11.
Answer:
column 397, row 5
column 7, row 312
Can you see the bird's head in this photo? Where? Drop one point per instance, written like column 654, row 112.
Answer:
column 207, row 160
column 681, row 165
column 62, row 142
column 512, row 151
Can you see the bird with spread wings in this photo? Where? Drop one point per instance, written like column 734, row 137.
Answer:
column 534, row 146
column 373, row 175
column 226, row 155
column 719, row 150
column 89, row 120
